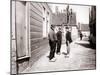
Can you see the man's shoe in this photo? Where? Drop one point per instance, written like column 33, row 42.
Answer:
column 66, row 56
column 64, row 53
column 52, row 60
column 58, row 53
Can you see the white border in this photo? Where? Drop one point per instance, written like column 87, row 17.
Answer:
column 5, row 37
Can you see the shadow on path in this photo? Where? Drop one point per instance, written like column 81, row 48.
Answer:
column 87, row 45
column 84, row 44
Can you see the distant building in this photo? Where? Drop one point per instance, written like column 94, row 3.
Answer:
column 84, row 28
column 66, row 18
column 72, row 20
column 59, row 19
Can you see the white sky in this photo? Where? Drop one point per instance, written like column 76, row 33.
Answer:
column 82, row 12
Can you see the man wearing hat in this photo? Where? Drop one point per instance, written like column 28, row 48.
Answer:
column 52, row 42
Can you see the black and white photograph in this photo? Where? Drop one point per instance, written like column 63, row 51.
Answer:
column 52, row 37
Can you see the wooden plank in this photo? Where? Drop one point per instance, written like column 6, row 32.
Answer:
column 32, row 8
column 35, row 22
column 36, row 19
column 40, row 43
column 36, row 40
column 36, row 16
column 34, row 28
column 35, row 9
column 35, row 35
column 36, row 6
column 34, row 46
column 40, row 15
column 37, row 53
column 25, row 57
column 40, row 5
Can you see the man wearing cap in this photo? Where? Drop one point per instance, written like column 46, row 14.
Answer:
column 52, row 42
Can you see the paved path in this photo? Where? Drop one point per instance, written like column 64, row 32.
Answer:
column 81, row 57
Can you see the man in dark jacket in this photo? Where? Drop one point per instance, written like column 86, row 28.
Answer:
column 59, row 41
column 68, row 40
column 68, row 36
column 52, row 42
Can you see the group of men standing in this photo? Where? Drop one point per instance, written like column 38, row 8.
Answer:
column 55, row 41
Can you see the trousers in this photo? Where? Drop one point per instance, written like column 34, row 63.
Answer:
column 58, row 46
column 68, row 47
column 52, row 49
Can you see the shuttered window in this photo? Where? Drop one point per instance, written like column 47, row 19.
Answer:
column 22, row 29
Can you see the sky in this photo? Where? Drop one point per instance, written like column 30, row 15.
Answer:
column 82, row 12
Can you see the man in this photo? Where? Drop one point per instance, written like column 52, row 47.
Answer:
column 59, row 40
column 52, row 42
column 81, row 36
column 68, row 40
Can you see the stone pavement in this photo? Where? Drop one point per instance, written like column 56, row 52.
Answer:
column 81, row 57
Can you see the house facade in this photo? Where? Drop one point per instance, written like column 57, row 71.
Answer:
column 29, row 30
column 84, row 28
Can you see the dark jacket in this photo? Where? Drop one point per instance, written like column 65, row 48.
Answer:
column 59, row 35
column 68, row 36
